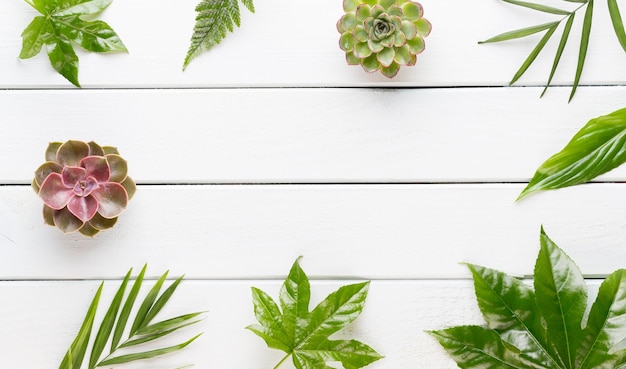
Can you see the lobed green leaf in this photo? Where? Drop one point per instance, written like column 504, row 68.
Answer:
column 83, row 7
column 335, row 312
column 606, row 325
column 303, row 334
column 561, row 296
column 295, row 295
column 596, row 149
column 474, row 347
column 61, row 25
column 566, row 339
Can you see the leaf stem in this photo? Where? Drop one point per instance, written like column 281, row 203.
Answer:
column 282, row 361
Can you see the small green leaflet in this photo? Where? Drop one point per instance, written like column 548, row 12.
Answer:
column 215, row 18
column 542, row 327
column 303, row 334
column 597, row 148
column 114, row 325
column 62, row 24
column 567, row 19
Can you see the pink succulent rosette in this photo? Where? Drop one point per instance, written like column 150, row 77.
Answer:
column 84, row 186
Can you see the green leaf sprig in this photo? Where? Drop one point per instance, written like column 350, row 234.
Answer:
column 64, row 23
column 303, row 334
column 550, row 28
column 597, row 148
column 214, row 19
column 547, row 326
column 114, row 325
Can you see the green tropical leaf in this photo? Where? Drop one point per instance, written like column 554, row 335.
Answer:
column 147, row 354
column 596, row 149
column 303, row 334
column 544, row 327
column 113, row 326
column 519, row 33
column 214, row 20
column 540, row 7
column 61, row 26
column 533, row 54
column 584, row 45
column 559, row 50
column 618, row 24
column 567, row 18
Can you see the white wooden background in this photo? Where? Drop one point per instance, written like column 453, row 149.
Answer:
column 270, row 147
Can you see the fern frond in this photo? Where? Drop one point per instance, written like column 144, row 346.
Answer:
column 214, row 20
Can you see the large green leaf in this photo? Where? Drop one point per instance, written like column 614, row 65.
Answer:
column 303, row 334
column 214, row 20
column 62, row 26
column 551, row 332
column 113, row 327
column 478, row 347
column 596, row 149
column 561, row 296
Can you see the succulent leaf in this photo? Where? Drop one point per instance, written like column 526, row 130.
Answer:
column 84, row 186
column 384, row 34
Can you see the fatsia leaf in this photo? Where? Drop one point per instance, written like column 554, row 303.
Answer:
column 214, row 20
column 551, row 27
column 113, row 326
column 303, row 334
column 551, row 332
column 596, row 149
column 61, row 26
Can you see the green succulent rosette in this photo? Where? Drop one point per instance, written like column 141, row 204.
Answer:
column 382, row 34
column 84, row 186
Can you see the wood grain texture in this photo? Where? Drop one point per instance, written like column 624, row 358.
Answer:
column 368, row 231
column 245, row 163
column 291, row 43
column 305, row 135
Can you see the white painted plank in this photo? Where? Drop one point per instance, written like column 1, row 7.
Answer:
column 304, row 135
column 292, row 43
column 393, row 322
column 369, row 231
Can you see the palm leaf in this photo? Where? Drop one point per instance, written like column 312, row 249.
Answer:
column 113, row 326
column 618, row 25
column 559, row 50
column 584, row 45
column 551, row 27
column 534, row 53
column 214, row 20
column 540, row 7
